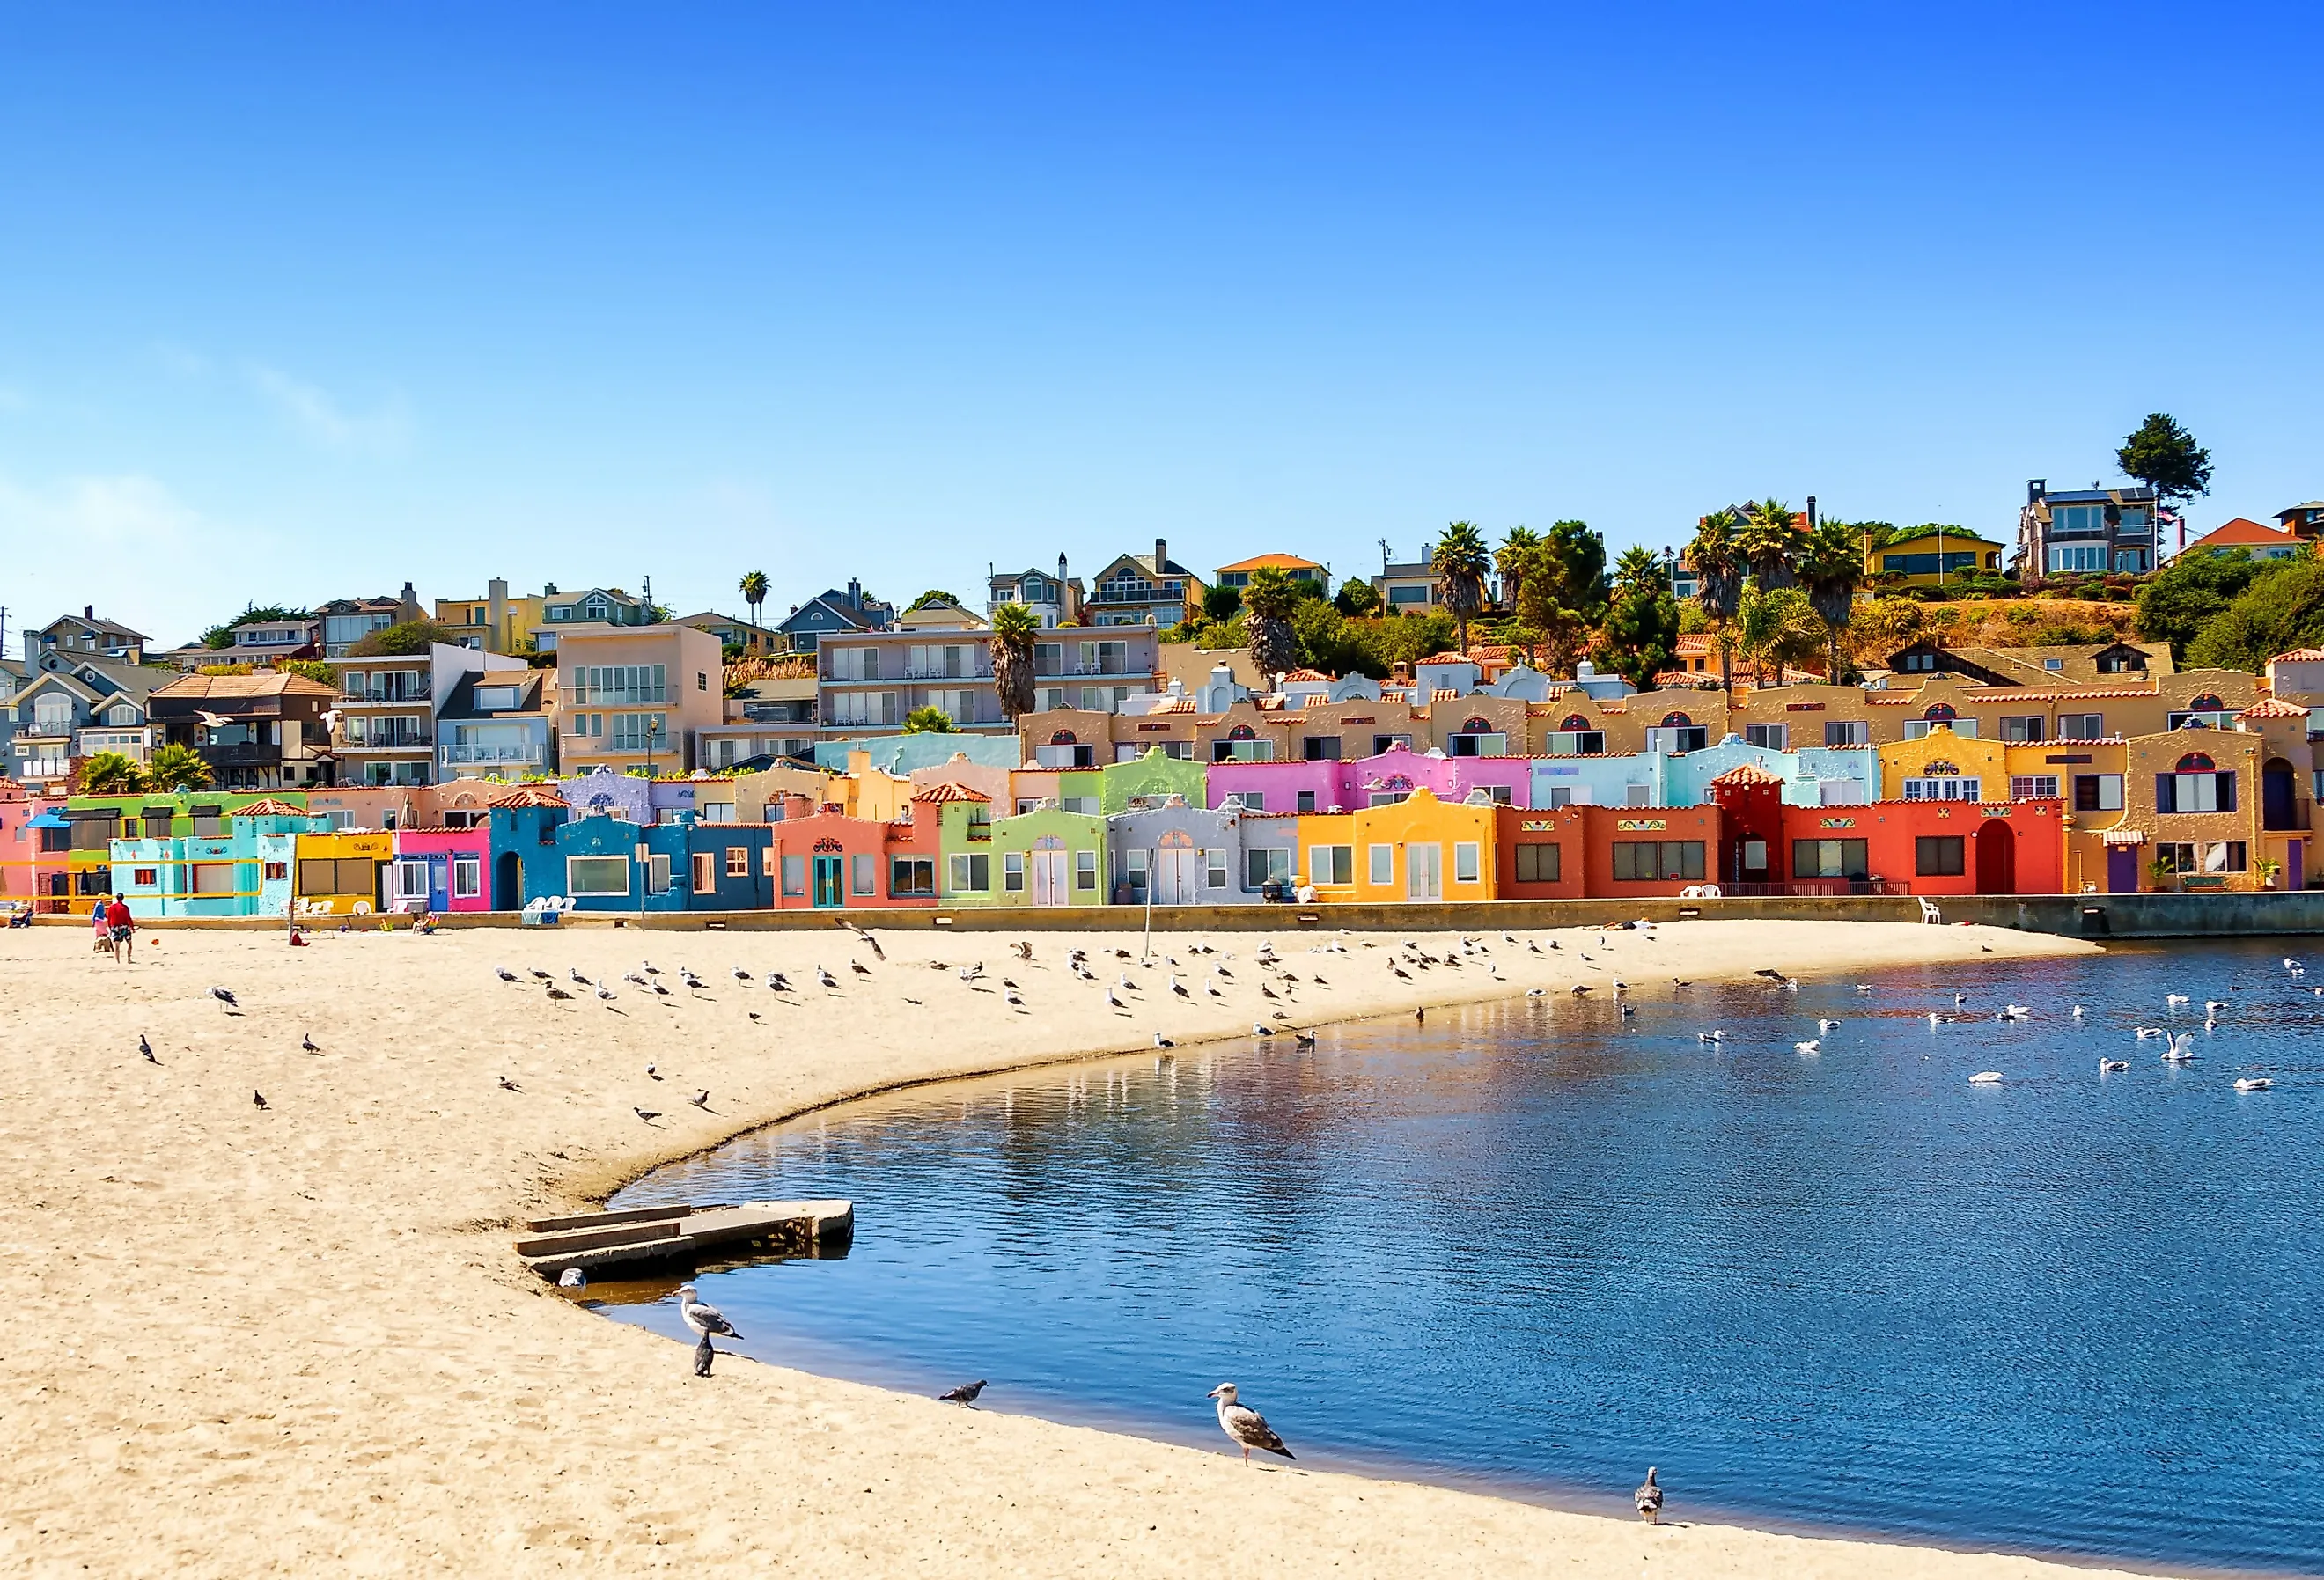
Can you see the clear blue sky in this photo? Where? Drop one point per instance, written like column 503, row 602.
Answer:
column 303, row 304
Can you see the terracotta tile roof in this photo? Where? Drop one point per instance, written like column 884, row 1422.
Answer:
column 1176, row 704
column 528, row 795
column 2304, row 655
column 1306, row 675
column 2273, row 708
column 1445, row 694
column 271, row 683
column 2242, row 532
column 950, row 791
column 1747, row 773
column 270, row 808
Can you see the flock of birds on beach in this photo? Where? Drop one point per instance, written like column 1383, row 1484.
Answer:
column 1216, row 978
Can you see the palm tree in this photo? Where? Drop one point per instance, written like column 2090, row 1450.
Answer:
column 176, row 768
column 1013, row 629
column 1769, row 542
column 1718, row 564
column 111, row 773
column 930, row 720
column 1511, row 560
column 1832, row 567
column 1267, row 606
column 1459, row 562
column 754, row 591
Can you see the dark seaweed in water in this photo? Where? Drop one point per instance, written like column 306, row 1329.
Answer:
column 1535, row 1245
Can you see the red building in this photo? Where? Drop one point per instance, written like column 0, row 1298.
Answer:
column 1897, row 847
column 825, row 859
column 1604, row 853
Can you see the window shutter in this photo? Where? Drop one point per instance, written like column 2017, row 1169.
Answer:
column 2226, row 793
column 2166, row 798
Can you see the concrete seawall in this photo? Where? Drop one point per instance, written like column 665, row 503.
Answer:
column 2087, row 916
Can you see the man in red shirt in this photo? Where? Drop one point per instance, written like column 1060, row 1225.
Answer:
column 125, row 930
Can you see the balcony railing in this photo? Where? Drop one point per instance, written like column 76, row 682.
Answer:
column 2293, row 821
column 1819, row 888
column 388, row 743
column 533, row 752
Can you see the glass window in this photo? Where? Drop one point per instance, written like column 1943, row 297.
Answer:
column 2021, row 727
column 1321, row 749
column 599, row 875
column 795, row 876
column 1382, row 863
column 1306, row 802
column 912, row 878
column 863, row 874
column 1012, row 872
column 1086, row 869
column 1215, row 869
column 1655, row 861
column 2032, row 787
column 1831, row 858
column 1539, row 862
column 1468, row 863
column 1939, row 856
column 1331, row 863
column 1942, row 789
column 1774, row 737
column 1265, row 866
column 2081, row 726
column 467, row 877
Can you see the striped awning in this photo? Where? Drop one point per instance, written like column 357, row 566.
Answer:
column 2123, row 836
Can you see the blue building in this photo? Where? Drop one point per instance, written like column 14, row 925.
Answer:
column 608, row 863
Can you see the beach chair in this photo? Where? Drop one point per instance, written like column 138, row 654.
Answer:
column 1929, row 914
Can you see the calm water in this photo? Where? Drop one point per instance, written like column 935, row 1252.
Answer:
column 1535, row 1247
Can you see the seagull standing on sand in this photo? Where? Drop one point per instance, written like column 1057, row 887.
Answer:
column 1246, row 1426
column 222, row 997
column 702, row 1318
column 1649, row 1500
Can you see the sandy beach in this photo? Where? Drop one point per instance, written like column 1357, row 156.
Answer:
column 294, row 1340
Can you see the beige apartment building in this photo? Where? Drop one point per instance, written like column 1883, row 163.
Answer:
column 632, row 697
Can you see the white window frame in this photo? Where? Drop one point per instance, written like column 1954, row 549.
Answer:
column 599, row 866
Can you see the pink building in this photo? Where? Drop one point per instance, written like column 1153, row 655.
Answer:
column 441, row 869
column 1370, row 782
column 825, row 859
column 33, row 855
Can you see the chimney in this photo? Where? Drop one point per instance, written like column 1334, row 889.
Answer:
column 2036, row 489
column 410, row 599
column 854, row 593
column 89, row 611
column 1161, row 555
column 1061, row 577
column 1812, row 513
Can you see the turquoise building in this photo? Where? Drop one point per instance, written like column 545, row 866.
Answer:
column 244, row 872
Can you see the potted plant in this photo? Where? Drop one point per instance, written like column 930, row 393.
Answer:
column 2160, row 873
column 2269, row 869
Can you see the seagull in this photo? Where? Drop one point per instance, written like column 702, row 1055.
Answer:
column 1246, row 1426
column 825, row 978
column 1580, row 989
column 2011, row 1012
column 650, row 968
column 778, row 983
column 1864, row 987
column 572, row 1278
column 1536, row 993
column 2108, row 1065
column 704, row 1354
column 1303, row 1038
column 2146, row 1031
column 2181, row 1050
column 635, row 978
column 701, row 1099
column 1420, row 1015
column 2175, row 998
column 213, row 720
column 1399, row 971
column 648, row 1114
column 506, row 974
column 1960, row 1000
column 1810, row 1045
column 222, row 996
column 859, row 968
column 1825, row 1028
column 573, row 973
column 1259, row 1029
column 2079, row 1011
column 1178, row 988
column 1681, row 981
column 1649, row 1500
column 1712, row 1036
column 1129, row 986
column 965, row 1394
column 307, row 1042
column 1986, row 1078
column 509, row 1086
column 704, row 1319
column 258, row 1099
column 1116, row 1002
column 1162, row 1041
column 739, row 973
column 967, row 973
column 145, row 1050
column 652, row 1074
column 539, row 975
column 555, row 991
column 1266, row 992
column 1770, row 975
column 1012, row 998
column 2213, row 1006
column 1935, row 1019
column 2253, row 1084
column 605, row 992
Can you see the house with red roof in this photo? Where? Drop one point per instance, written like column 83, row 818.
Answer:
column 2254, row 537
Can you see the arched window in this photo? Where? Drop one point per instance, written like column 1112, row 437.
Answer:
column 2205, row 703
column 1242, row 733
column 1064, row 738
column 1676, row 721
column 1477, row 727
column 1940, row 712
column 2195, row 763
column 1577, row 721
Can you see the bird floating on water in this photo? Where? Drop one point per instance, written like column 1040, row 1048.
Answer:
column 2011, row 1012
column 2108, row 1065
column 1809, row 1047
column 1710, row 1037
column 1259, row 1029
column 2181, row 1050
column 1303, row 1038
column 2253, row 1084
column 1162, row 1041
column 2078, row 1012
column 2176, row 998
column 1986, row 1078
column 2146, row 1031
column 1826, row 1027
column 1247, row 1428
column 1648, row 1499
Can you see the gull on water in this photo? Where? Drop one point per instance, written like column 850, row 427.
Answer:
column 1259, row 1029
column 2176, row 998
column 2181, row 1050
column 1826, row 1027
column 1808, row 1047
column 1986, row 1078
column 1710, row 1037
column 2253, row 1084
column 2107, row 1065
column 1247, row 1428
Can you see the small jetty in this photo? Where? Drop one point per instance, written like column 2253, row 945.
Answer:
column 684, row 1231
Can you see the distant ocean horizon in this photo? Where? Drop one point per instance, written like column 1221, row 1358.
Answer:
column 1532, row 1248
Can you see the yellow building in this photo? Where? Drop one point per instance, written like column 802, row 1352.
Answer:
column 2088, row 777
column 1931, row 559
column 337, row 874
column 495, row 622
column 1942, row 766
column 1419, row 850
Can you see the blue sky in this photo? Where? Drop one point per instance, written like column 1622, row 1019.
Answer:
column 302, row 303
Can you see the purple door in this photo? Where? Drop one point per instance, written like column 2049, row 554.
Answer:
column 2295, row 864
column 2122, row 869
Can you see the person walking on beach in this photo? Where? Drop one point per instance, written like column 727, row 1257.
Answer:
column 124, row 931
column 101, row 926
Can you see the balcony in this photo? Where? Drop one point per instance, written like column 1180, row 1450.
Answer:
column 531, row 753
column 408, row 741
column 422, row 692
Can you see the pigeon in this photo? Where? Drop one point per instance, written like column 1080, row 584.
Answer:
column 145, row 1050
column 509, row 1086
column 1649, row 1500
column 1247, row 1428
column 965, row 1394
column 222, row 996
column 648, row 1114
column 506, row 974
column 572, row 1278
column 704, row 1354
column 258, row 1099
column 701, row 1099
column 307, row 1042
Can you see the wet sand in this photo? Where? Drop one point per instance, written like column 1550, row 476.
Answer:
column 294, row 1340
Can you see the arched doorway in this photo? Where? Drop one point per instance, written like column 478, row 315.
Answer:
column 2278, row 795
column 508, row 882
column 1997, row 857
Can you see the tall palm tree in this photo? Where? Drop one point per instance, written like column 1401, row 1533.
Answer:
column 1013, row 628
column 754, row 591
column 1460, row 563
column 1718, row 562
column 1769, row 542
column 1833, row 568
column 1511, row 560
column 1267, row 606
